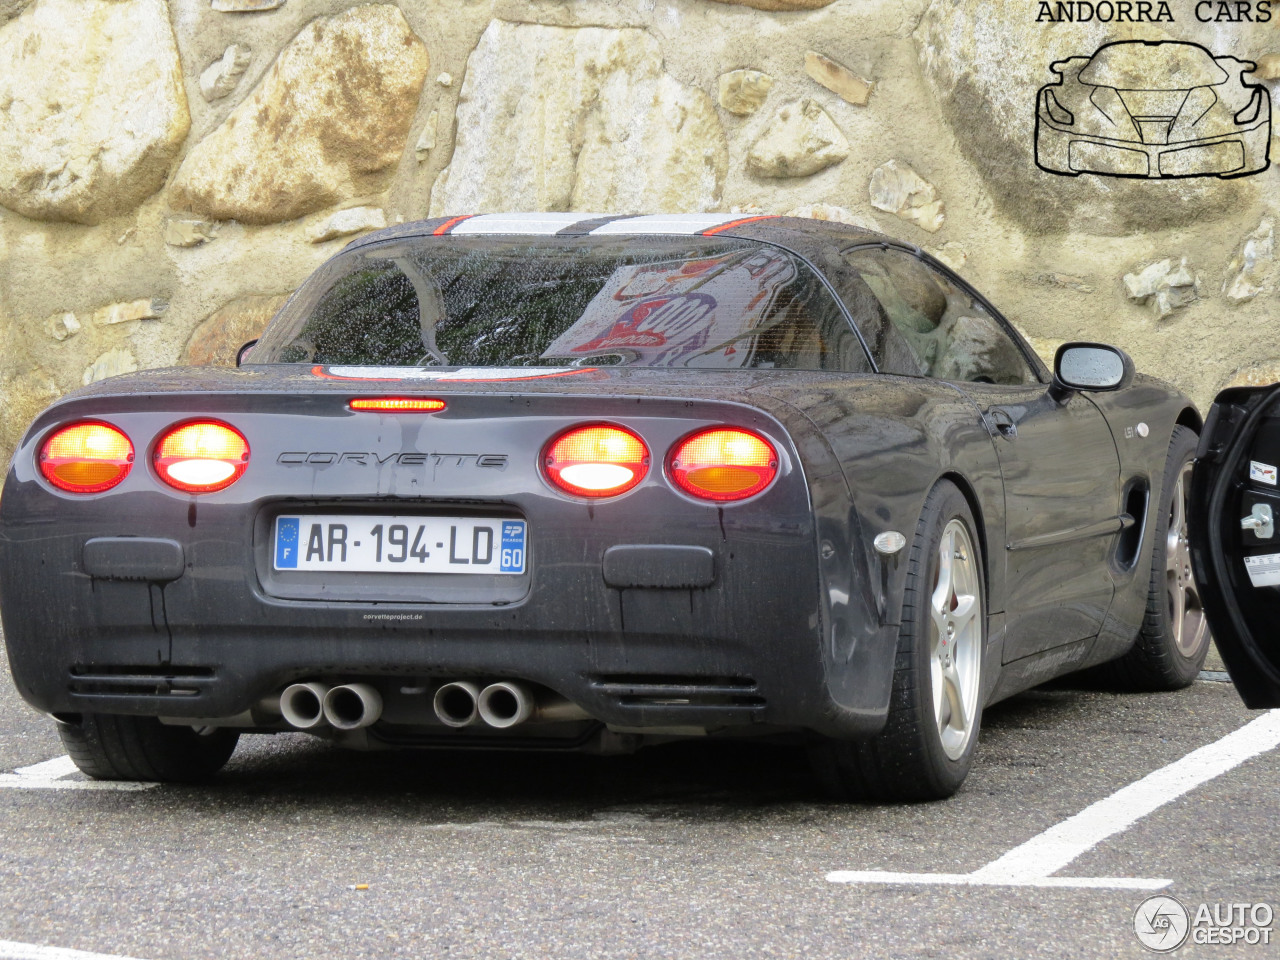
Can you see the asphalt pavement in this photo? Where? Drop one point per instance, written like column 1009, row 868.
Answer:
column 717, row 850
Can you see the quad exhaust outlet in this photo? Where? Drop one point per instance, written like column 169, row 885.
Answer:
column 352, row 706
column 501, row 705
column 456, row 703
column 459, row 703
column 312, row 705
column 505, row 704
column 302, row 705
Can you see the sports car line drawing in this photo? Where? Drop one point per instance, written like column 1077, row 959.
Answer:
column 1156, row 110
column 561, row 481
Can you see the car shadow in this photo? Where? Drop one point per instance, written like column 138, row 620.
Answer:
column 734, row 773
column 743, row 774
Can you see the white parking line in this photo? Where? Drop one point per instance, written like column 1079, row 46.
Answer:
column 1031, row 863
column 12, row 950
column 51, row 775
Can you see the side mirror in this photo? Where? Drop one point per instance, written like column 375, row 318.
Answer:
column 1089, row 366
column 244, row 351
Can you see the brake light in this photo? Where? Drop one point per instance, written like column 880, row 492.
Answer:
column 723, row 464
column 86, row 457
column 397, row 405
column 596, row 461
column 201, row 457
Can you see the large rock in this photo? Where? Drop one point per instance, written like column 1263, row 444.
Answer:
column 800, row 140
column 324, row 125
column 346, row 222
column 216, row 341
column 579, row 118
column 221, row 76
column 986, row 60
column 1166, row 285
column 148, row 308
column 92, row 107
column 742, row 91
column 896, row 188
column 1253, row 269
column 1258, row 375
column 110, row 364
column 827, row 211
column 838, row 78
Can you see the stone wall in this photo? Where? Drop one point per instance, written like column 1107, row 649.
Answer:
column 169, row 170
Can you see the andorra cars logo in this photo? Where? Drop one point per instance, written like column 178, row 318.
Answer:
column 1161, row 923
column 1154, row 110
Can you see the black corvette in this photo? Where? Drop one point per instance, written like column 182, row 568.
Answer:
column 549, row 481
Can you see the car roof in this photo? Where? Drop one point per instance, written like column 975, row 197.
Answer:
column 1144, row 65
column 804, row 236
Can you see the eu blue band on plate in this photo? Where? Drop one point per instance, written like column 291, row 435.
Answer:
column 287, row 542
column 511, row 558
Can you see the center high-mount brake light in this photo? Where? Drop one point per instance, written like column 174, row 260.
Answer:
column 86, row 457
column 397, row 405
column 596, row 461
column 201, row 457
column 723, row 464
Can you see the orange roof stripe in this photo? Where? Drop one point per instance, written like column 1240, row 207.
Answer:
column 451, row 223
column 712, row 231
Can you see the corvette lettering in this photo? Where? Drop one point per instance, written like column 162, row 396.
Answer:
column 297, row 458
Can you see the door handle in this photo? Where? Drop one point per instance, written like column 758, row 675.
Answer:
column 1002, row 423
column 1261, row 522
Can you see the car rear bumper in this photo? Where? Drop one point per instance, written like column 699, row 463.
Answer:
column 743, row 649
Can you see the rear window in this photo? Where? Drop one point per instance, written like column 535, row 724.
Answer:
column 557, row 301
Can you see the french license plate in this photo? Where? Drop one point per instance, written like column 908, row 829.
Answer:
column 390, row 544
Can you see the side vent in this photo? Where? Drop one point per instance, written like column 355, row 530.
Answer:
column 127, row 681
column 672, row 690
column 1129, row 543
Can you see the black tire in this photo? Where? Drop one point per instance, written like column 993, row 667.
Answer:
column 907, row 760
column 1158, row 661
column 111, row 747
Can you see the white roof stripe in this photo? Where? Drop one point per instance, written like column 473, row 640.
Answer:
column 537, row 224
column 685, row 224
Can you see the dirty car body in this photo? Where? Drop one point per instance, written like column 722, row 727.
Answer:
column 430, row 555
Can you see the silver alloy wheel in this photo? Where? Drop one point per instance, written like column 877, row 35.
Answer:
column 1186, row 612
column 955, row 662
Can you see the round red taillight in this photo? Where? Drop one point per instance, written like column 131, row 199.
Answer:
column 723, row 464
column 596, row 461
column 86, row 457
column 201, row 457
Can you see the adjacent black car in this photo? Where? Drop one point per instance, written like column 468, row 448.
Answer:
column 553, row 481
column 1235, row 548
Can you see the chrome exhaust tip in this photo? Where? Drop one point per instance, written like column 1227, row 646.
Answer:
column 302, row 705
column 455, row 703
column 505, row 704
column 352, row 706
